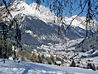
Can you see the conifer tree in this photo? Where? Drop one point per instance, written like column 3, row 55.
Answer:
column 40, row 59
column 73, row 64
column 93, row 67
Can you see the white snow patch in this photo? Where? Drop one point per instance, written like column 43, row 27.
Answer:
column 96, row 52
column 28, row 31
column 11, row 67
column 90, row 51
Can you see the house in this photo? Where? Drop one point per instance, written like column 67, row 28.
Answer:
column 58, row 63
column 67, row 61
column 66, row 64
column 90, row 60
column 47, row 55
column 84, row 62
column 34, row 50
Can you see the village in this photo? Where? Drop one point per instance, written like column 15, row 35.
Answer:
column 62, row 56
column 69, row 58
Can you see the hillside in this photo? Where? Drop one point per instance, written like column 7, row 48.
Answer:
column 37, row 33
column 38, row 26
column 11, row 67
column 90, row 43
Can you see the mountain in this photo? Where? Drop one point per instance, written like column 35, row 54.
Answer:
column 81, row 22
column 90, row 43
column 38, row 25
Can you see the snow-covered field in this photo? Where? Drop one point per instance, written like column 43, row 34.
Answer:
column 11, row 67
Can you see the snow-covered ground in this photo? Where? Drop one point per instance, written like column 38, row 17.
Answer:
column 90, row 51
column 93, row 58
column 11, row 67
column 96, row 52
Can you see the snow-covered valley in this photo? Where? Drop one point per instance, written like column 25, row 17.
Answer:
column 44, row 36
column 38, row 26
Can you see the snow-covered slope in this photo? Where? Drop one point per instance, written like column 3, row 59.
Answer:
column 39, row 27
column 46, row 15
column 11, row 67
column 89, row 44
column 96, row 52
column 90, row 51
column 41, row 12
column 81, row 22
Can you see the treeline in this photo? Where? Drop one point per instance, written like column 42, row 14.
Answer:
column 42, row 59
column 34, row 57
column 88, row 66
column 5, row 51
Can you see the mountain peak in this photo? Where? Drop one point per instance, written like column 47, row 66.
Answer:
column 43, row 13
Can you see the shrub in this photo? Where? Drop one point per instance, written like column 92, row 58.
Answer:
column 89, row 66
column 78, row 66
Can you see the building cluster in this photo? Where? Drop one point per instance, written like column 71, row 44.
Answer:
column 63, row 58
